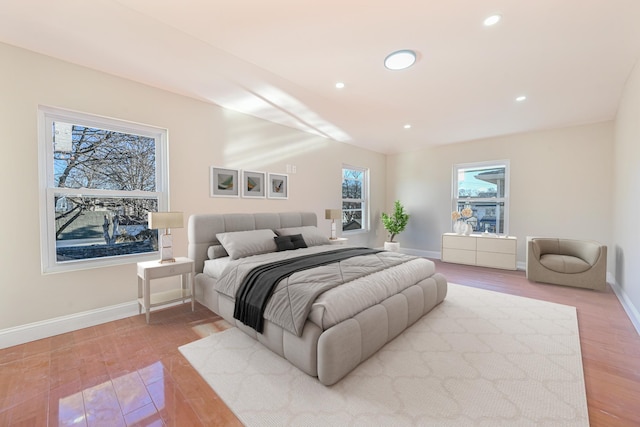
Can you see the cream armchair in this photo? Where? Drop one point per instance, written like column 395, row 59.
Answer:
column 577, row 263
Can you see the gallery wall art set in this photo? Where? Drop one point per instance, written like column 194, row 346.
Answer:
column 226, row 182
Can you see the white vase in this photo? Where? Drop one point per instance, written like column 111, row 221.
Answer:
column 468, row 228
column 459, row 227
column 392, row 246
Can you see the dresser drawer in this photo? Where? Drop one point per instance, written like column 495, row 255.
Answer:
column 459, row 242
column 496, row 244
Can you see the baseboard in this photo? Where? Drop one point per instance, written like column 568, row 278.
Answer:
column 421, row 253
column 59, row 325
column 627, row 304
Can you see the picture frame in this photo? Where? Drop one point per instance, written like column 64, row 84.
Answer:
column 225, row 182
column 278, row 186
column 254, row 184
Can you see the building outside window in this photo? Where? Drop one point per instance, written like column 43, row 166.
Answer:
column 355, row 203
column 483, row 187
column 99, row 179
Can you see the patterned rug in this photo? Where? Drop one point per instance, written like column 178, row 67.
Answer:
column 480, row 358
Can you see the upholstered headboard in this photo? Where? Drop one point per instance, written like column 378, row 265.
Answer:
column 202, row 228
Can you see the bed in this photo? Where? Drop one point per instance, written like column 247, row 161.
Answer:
column 323, row 319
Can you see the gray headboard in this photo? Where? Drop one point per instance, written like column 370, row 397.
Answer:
column 202, row 228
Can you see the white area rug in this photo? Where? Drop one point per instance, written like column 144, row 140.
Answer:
column 480, row 358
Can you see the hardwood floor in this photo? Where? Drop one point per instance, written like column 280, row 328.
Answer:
column 129, row 373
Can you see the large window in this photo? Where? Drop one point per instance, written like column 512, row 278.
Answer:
column 483, row 187
column 99, row 179
column 354, row 199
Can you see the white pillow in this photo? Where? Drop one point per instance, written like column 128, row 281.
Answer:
column 310, row 233
column 241, row 244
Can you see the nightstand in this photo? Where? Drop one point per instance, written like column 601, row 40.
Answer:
column 150, row 270
column 338, row 241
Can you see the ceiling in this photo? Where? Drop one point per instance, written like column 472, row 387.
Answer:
column 280, row 60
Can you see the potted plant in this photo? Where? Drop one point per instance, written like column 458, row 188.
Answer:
column 394, row 224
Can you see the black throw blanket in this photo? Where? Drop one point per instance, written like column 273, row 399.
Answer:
column 258, row 285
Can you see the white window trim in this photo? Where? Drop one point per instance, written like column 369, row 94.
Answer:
column 366, row 225
column 507, row 187
column 47, row 115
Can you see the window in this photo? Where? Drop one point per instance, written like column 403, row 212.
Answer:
column 354, row 199
column 483, row 187
column 99, row 178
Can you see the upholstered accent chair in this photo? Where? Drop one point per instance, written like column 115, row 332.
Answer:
column 577, row 263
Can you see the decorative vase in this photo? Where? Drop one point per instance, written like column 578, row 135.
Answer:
column 459, row 227
column 467, row 228
column 392, row 246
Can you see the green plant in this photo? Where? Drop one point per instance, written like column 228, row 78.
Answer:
column 396, row 222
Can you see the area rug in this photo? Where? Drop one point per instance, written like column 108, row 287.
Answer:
column 480, row 358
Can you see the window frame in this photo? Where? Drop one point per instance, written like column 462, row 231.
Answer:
column 455, row 199
column 364, row 201
column 47, row 189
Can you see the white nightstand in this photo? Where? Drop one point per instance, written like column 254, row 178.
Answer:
column 338, row 241
column 150, row 270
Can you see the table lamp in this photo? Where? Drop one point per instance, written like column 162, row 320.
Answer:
column 166, row 220
column 333, row 214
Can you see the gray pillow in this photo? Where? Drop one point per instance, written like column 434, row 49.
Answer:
column 216, row 251
column 310, row 233
column 241, row 244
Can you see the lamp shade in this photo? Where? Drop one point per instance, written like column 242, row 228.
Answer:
column 165, row 220
column 332, row 214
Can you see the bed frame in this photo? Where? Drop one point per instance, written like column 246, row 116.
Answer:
column 328, row 354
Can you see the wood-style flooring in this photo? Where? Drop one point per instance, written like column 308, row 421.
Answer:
column 128, row 373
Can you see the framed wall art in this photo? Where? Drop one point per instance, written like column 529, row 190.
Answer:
column 224, row 182
column 278, row 186
column 253, row 184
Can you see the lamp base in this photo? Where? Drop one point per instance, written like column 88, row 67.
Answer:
column 166, row 249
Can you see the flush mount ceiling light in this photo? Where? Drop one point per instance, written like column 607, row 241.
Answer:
column 521, row 98
column 492, row 20
column 339, row 85
column 400, row 59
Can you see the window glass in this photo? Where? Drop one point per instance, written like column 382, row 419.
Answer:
column 481, row 182
column 483, row 188
column 354, row 202
column 101, row 179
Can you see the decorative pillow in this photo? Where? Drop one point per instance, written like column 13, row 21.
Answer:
column 216, row 251
column 288, row 243
column 311, row 235
column 241, row 244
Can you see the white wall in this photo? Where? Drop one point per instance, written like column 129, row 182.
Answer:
column 200, row 135
column 561, row 184
column 626, row 199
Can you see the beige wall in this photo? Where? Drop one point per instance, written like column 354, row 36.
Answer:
column 200, row 135
column 626, row 202
column 561, row 184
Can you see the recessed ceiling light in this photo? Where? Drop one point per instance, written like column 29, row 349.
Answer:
column 400, row 59
column 492, row 20
column 407, row 126
column 339, row 85
column 521, row 98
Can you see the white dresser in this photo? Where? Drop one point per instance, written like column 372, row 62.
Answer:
column 478, row 249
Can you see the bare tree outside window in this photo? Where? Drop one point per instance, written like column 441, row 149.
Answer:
column 103, row 160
